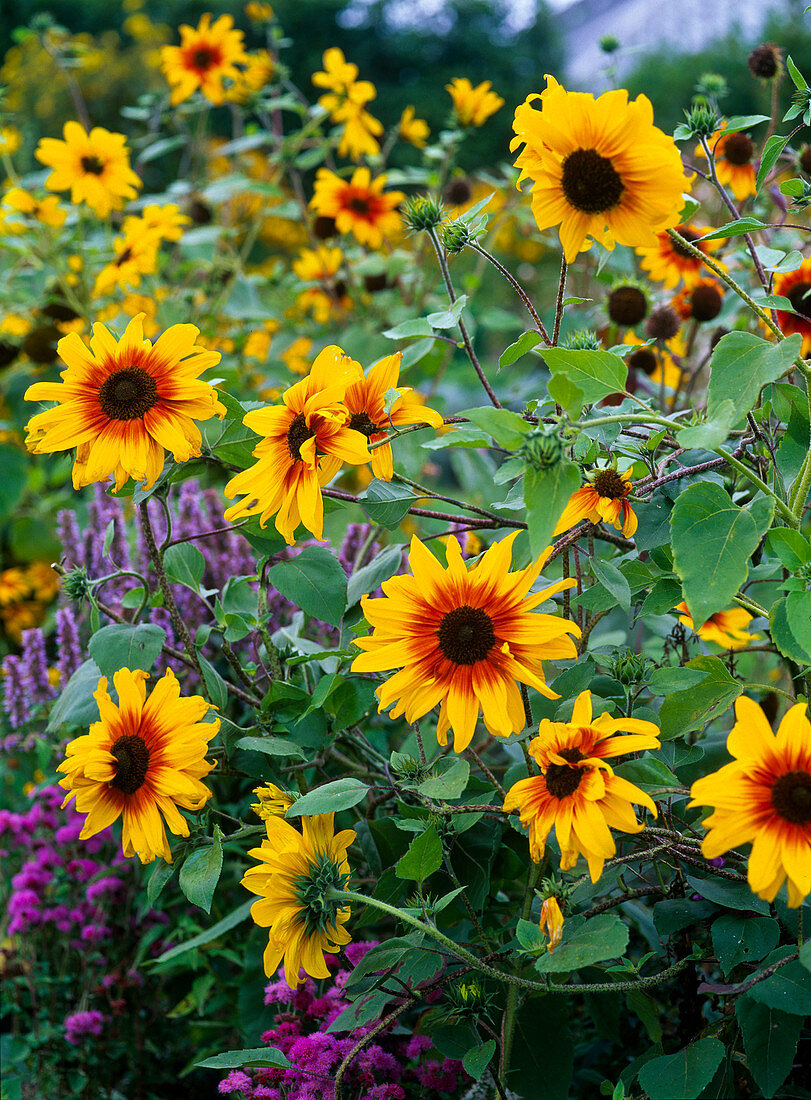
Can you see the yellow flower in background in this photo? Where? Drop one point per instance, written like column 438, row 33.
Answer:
column 14, row 586
column 207, row 56
column 259, row 12
column 163, row 223
column 413, row 130
column 551, row 923
column 656, row 360
column 599, row 168
column 273, row 801
column 366, row 399
column 345, row 101
column 338, row 73
column 603, row 498
column 121, row 403
column 296, row 357
column 94, row 166
column 318, row 264
column 19, row 617
column 257, row 345
column 143, row 759
column 667, row 261
column 577, row 791
column 726, row 628
column 358, row 206
column 46, row 211
column 463, row 638
column 44, row 580
column 10, row 140
column 763, row 798
column 258, row 71
column 321, row 265
column 294, row 873
column 134, row 257
column 304, row 442
column 472, row 106
column 734, row 155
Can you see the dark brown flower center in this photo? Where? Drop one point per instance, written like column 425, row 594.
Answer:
column 608, row 483
column 705, row 303
column 590, row 182
column 466, row 635
column 132, row 756
column 561, row 780
column 92, row 165
column 297, row 434
column 359, row 205
column 791, row 797
column 324, row 227
column 458, row 191
column 643, row 360
column 128, row 394
column 689, row 235
column 203, row 58
column 627, row 305
column 125, row 255
column 362, row 422
column 800, row 298
column 738, row 149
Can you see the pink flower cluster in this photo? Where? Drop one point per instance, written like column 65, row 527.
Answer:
column 392, row 1067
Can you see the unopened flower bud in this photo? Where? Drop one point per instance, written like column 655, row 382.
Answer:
column 422, row 212
column 75, row 584
column 542, row 450
column 455, row 236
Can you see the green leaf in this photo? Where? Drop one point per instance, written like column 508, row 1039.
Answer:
column 121, row 645
column 243, row 1059
column 314, row 581
column 769, row 157
column 596, row 374
column 585, row 942
column 507, row 428
column 783, row 636
column 210, row 934
column 216, row 687
column 447, row 318
column 686, row 711
column 675, row 914
column 341, row 794
column 792, row 548
column 161, row 874
column 542, row 1060
column 526, row 342
column 743, row 939
column 546, row 494
column 713, row 540
column 423, row 857
column 271, row 746
column 770, row 1041
column 386, row 504
column 478, row 1059
column 369, row 577
column 666, row 681
column 649, row 773
column 742, row 364
column 201, row 871
column 734, row 229
column 76, row 705
column 450, row 783
column 416, row 327
column 788, row 989
column 684, row 1075
column 727, row 892
column 798, row 617
column 610, row 578
column 743, row 122
column 797, row 77
column 185, row 565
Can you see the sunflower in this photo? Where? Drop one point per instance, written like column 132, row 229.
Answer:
column 603, row 498
column 295, row 872
column 15, row 585
column 796, row 286
column 94, row 167
column 207, row 55
column 413, row 130
column 273, row 801
column 163, row 223
column 551, row 922
column 120, row 404
column 305, row 441
column 667, row 262
column 763, row 798
column 472, row 106
column 577, row 790
column 463, row 639
column 733, row 155
column 145, row 757
column 134, row 256
column 366, row 400
column 700, row 302
column 726, row 628
column 656, row 360
column 46, row 211
column 599, row 168
column 358, row 205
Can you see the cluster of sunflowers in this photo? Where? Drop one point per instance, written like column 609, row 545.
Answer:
column 469, row 639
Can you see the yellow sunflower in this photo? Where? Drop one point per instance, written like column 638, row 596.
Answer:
column 577, row 791
column 46, row 211
column 656, row 360
column 207, row 55
column 726, row 628
column 734, row 155
column 305, row 441
column 603, row 498
column 413, row 130
column 599, row 168
column 472, row 106
column 142, row 759
column 463, row 638
column 94, row 167
column 667, row 262
column 273, row 801
column 134, row 256
column 358, row 206
column 163, row 223
column 366, row 400
column 551, row 923
column 15, row 585
column 763, row 798
column 295, row 871
column 700, row 302
column 120, row 404
column 796, row 286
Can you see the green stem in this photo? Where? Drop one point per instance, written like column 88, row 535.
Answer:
column 511, row 1008
column 779, row 504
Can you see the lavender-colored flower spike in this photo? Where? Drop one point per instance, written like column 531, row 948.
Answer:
column 14, row 697
column 68, row 529
column 34, row 667
column 69, row 651
column 353, row 544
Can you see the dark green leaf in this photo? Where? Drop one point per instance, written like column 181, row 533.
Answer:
column 769, row 157
column 369, row 577
column 666, row 681
column 686, row 711
column 595, row 374
column 521, row 346
column 727, row 892
column 737, row 939
column 610, row 578
column 675, row 914
column 201, row 871
column 507, row 428
column 341, row 794
column 213, row 933
column 185, row 565
column 478, row 1059
column 770, row 1042
column 783, row 636
column 76, row 705
column 314, row 581
column 792, row 548
column 450, row 783
column 387, row 504
column 798, row 617
column 585, row 942
column 271, row 746
column 542, row 1061
column 734, row 229
column 546, row 494
column 788, row 989
column 423, row 857
column 684, row 1075
column 161, row 873
column 241, row 1059
column 121, row 645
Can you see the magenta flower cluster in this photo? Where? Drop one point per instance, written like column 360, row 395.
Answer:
column 392, row 1067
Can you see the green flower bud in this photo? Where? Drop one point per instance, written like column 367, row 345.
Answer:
column 542, row 450
column 422, row 212
column 583, row 340
column 75, row 584
column 609, row 43
column 702, row 120
column 455, row 236
column 712, row 85
column 630, row 668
